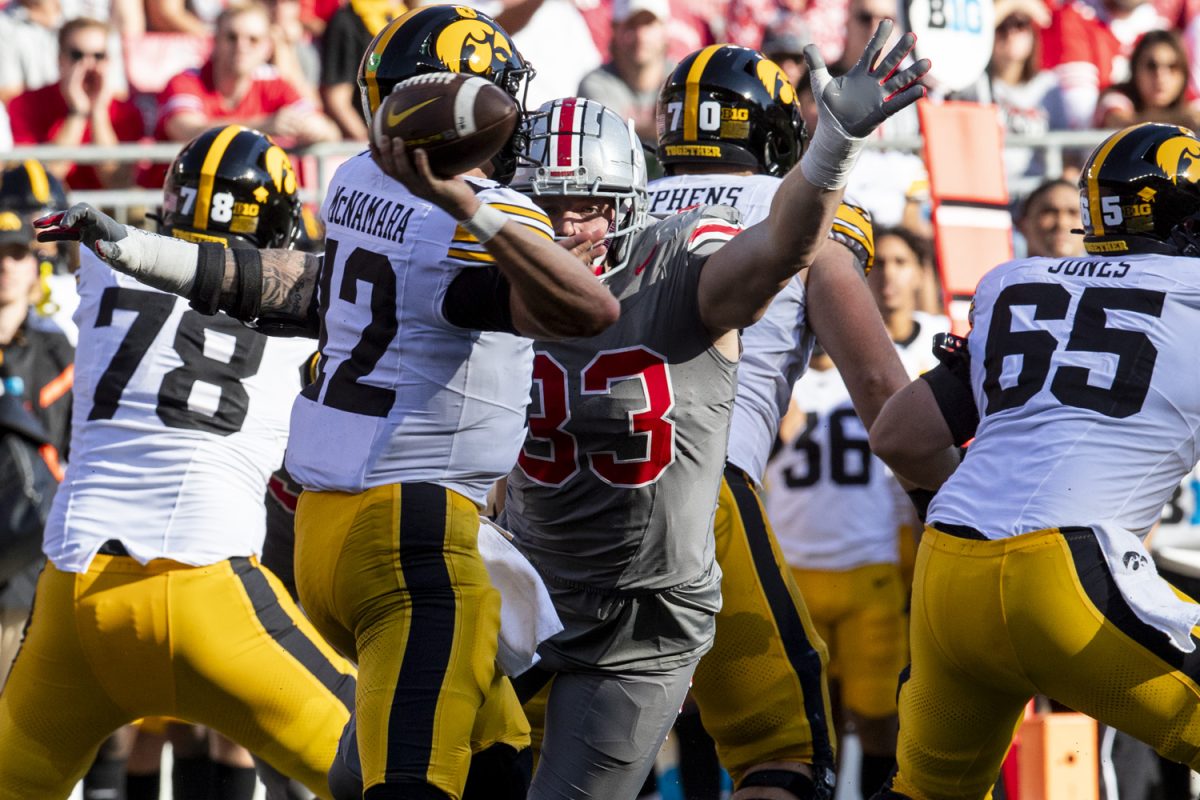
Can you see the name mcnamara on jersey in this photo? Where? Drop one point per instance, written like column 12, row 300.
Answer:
column 368, row 213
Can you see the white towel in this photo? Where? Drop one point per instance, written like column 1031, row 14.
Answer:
column 1150, row 597
column 527, row 615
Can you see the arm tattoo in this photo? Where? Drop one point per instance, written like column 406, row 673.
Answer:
column 289, row 279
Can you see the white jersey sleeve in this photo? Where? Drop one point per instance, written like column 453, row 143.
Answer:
column 1088, row 395
column 831, row 501
column 403, row 395
column 179, row 419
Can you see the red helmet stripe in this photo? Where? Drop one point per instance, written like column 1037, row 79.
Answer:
column 565, row 141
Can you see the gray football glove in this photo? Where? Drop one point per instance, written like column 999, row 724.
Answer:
column 851, row 106
column 160, row 261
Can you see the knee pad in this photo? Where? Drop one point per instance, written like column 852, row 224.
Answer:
column 501, row 772
column 784, row 780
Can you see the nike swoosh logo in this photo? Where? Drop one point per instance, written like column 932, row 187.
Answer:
column 395, row 119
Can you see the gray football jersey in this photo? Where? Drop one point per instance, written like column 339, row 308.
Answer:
column 616, row 486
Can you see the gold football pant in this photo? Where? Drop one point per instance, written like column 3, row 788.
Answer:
column 761, row 690
column 393, row 578
column 221, row 645
column 995, row 622
column 859, row 614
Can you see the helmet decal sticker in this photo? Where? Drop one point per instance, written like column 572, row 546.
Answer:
column 473, row 45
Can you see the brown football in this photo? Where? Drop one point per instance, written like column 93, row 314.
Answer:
column 460, row 121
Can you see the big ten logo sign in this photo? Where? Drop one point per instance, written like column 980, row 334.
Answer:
column 956, row 15
column 956, row 36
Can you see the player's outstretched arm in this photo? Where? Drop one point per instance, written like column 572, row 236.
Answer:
column 279, row 284
column 553, row 295
column 913, row 437
column 740, row 279
column 843, row 316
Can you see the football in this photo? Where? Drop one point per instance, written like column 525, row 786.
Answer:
column 460, row 121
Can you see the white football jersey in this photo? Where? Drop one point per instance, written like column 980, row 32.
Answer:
column 776, row 349
column 830, row 500
column 1088, row 393
column 402, row 395
column 178, row 421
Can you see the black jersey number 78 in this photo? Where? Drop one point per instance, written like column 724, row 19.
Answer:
column 152, row 310
column 1090, row 332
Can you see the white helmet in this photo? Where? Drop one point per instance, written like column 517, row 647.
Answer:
column 579, row 148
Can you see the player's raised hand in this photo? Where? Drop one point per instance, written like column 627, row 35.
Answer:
column 411, row 168
column 869, row 92
column 159, row 261
column 851, row 106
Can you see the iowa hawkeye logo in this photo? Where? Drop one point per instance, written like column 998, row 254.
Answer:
column 1179, row 157
column 776, row 82
column 472, row 45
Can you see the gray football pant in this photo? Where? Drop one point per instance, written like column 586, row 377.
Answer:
column 603, row 731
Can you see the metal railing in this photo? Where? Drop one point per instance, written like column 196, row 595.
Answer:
column 1053, row 145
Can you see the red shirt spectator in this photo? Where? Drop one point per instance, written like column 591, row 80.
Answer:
column 238, row 85
column 38, row 116
column 1088, row 45
column 78, row 109
column 195, row 90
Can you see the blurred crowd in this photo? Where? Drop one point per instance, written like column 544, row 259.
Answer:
column 74, row 72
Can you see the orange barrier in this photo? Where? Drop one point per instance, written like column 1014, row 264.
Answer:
column 1059, row 759
column 964, row 155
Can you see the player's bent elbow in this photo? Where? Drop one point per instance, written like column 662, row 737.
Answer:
column 887, row 440
column 593, row 319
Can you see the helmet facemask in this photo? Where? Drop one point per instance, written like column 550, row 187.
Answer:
column 579, row 148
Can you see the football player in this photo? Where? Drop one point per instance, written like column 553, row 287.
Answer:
column 615, row 488
column 1080, row 389
column 418, row 406
column 729, row 130
column 153, row 602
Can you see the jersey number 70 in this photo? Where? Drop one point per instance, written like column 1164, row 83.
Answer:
column 650, row 424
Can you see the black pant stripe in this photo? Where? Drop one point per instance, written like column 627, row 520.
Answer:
column 423, row 531
column 287, row 635
column 1101, row 589
column 804, row 658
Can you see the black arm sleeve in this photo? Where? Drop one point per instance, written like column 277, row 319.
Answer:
column 478, row 299
column 953, row 395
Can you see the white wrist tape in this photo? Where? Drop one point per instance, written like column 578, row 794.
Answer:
column 830, row 155
column 485, row 223
column 163, row 262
